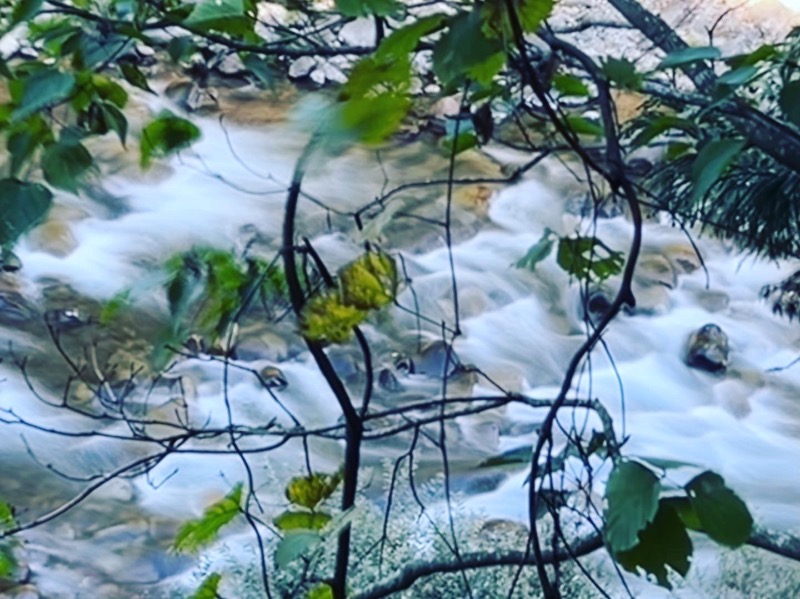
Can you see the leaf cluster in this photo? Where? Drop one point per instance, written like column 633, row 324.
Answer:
column 646, row 527
column 581, row 257
column 207, row 289
column 196, row 534
column 368, row 283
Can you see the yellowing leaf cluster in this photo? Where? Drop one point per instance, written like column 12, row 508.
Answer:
column 367, row 283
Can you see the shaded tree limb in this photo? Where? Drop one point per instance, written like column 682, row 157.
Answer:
column 354, row 426
column 765, row 539
column 769, row 135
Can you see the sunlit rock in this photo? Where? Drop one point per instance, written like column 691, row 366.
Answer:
column 54, row 237
column 684, row 258
column 302, row 67
column 656, row 269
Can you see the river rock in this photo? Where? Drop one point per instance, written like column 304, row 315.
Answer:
column 684, row 258
column 650, row 299
column 53, row 237
column 785, row 296
column 9, row 261
column 15, row 309
column 26, row 591
column 656, row 269
column 708, row 349
column 190, row 96
column 273, row 378
column 712, row 300
column 302, row 67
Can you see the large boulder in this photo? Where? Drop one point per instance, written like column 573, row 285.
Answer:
column 708, row 349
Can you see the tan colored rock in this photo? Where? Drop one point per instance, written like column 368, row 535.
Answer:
column 53, row 237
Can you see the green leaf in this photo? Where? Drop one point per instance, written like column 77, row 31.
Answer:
column 538, row 252
column 531, row 14
column 760, row 54
column 195, row 534
column 677, row 149
column 4, row 70
column 711, row 162
column 518, row 455
column 7, row 519
column 405, row 40
column 580, row 257
column 662, row 123
column 261, row 68
column 737, row 77
column 321, row 591
column 63, row 164
column 723, row 515
column 209, row 588
column 663, row 464
column 8, row 563
column 178, row 47
column 41, row 90
column 115, row 120
column 166, row 135
column 213, row 10
column 570, row 85
column 366, row 8
column 25, row 138
column 622, row 73
column 632, row 502
column 134, row 76
column 290, row 520
column 465, row 52
column 663, row 542
column 372, row 119
column 311, row 490
column 465, row 141
column 22, row 207
column 584, row 126
column 686, row 512
column 789, row 101
column 109, row 90
column 24, row 10
column 295, row 544
column 113, row 307
column 687, row 56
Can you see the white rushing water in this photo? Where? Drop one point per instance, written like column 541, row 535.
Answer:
column 520, row 327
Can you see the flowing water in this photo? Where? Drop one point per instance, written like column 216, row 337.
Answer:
column 520, row 327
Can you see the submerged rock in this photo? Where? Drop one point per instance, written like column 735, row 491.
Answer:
column 15, row 309
column 708, row 349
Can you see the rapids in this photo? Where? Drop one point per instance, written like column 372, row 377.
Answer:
column 520, row 327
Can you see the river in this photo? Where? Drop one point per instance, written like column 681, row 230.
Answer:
column 519, row 327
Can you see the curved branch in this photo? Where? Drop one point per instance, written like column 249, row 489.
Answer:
column 472, row 561
column 773, row 542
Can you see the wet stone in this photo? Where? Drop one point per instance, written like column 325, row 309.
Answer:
column 708, row 349
column 388, row 381
column 15, row 309
column 273, row 378
column 65, row 319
